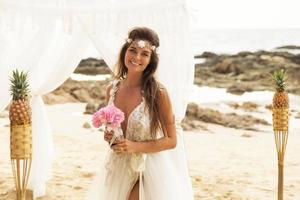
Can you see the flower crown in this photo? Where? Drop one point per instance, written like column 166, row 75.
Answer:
column 142, row 43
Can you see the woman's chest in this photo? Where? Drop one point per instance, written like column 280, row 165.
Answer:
column 127, row 101
column 139, row 124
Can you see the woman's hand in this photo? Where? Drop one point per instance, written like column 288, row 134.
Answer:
column 108, row 135
column 124, row 146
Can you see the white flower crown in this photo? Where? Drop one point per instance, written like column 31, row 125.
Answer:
column 142, row 44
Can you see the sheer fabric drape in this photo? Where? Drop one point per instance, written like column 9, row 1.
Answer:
column 49, row 55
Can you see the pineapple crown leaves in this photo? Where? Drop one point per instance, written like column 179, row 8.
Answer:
column 19, row 85
column 279, row 78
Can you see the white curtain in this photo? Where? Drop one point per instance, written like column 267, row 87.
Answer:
column 50, row 55
column 48, row 39
column 60, row 57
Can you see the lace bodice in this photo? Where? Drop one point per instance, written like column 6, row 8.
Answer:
column 138, row 124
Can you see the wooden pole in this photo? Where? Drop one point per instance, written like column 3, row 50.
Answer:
column 21, row 157
column 280, row 127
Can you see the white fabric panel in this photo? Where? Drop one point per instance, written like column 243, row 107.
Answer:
column 50, row 55
column 42, row 148
column 55, row 65
column 14, row 43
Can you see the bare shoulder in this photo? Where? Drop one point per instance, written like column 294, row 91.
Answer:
column 163, row 94
column 162, row 90
column 165, row 105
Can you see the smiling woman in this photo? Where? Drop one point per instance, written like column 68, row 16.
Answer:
column 138, row 161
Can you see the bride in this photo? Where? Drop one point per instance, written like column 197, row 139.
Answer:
column 149, row 162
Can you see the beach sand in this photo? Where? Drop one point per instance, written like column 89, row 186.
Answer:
column 224, row 163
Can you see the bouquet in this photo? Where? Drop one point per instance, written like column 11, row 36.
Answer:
column 111, row 117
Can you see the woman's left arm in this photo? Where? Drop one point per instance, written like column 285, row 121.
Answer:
column 169, row 140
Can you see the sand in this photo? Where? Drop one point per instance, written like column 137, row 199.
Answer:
column 224, row 163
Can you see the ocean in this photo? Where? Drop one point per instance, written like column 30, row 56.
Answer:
column 232, row 41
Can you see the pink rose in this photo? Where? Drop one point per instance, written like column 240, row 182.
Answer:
column 109, row 116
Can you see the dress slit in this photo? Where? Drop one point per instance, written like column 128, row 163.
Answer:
column 131, row 187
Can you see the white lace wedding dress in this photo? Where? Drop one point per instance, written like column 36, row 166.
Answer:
column 162, row 176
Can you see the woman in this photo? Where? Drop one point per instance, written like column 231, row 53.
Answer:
column 138, row 166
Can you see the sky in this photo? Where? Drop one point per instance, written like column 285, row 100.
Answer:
column 239, row 14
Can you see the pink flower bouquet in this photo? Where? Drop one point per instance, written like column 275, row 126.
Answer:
column 111, row 117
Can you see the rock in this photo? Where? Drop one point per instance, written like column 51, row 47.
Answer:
column 296, row 59
column 246, row 106
column 77, row 188
column 209, row 115
column 248, row 135
column 276, row 59
column 294, row 90
column 269, row 107
column 240, row 88
column 189, row 124
column 192, row 109
column 228, row 66
column 82, row 95
column 288, row 47
column 97, row 93
column 206, row 54
column 232, row 120
column 93, row 70
column 234, row 105
column 249, row 106
column 92, row 66
column 52, row 98
column 251, row 77
column 86, row 125
column 85, row 90
column 92, row 107
column 245, row 54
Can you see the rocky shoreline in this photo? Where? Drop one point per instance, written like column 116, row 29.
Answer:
column 239, row 73
column 248, row 71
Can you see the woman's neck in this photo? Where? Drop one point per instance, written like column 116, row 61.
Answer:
column 132, row 81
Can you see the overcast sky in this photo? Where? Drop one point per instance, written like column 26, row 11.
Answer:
column 245, row 13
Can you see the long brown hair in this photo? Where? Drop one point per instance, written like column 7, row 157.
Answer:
column 150, row 85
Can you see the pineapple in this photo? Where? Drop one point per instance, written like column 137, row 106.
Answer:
column 19, row 112
column 280, row 98
column 20, row 132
